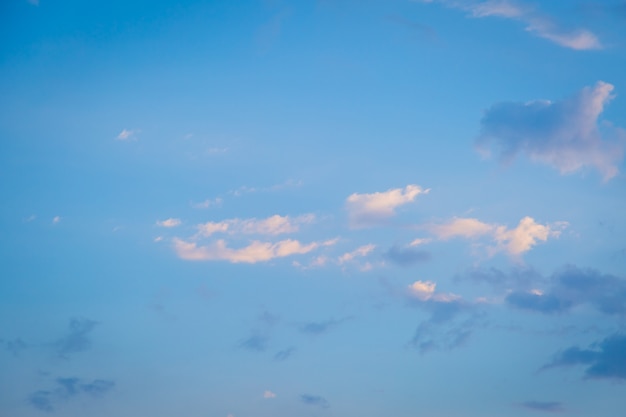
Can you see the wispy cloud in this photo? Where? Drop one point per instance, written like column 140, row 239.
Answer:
column 407, row 256
column 256, row 251
column 78, row 338
column 564, row 134
column 544, row 406
column 534, row 21
column 56, row 220
column 269, row 394
column 208, row 203
column 315, row 400
column 66, row 389
column 128, row 134
column 171, row 222
column 514, row 242
column 273, row 225
column 320, row 327
column 284, row 354
column 365, row 210
column 276, row 187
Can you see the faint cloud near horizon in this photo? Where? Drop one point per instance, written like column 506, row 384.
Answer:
column 128, row 134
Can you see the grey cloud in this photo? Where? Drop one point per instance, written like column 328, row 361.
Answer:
column 604, row 359
column 284, row 354
column 65, row 389
column 407, row 256
column 564, row 134
column 315, row 400
column 521, row 278
column 77, row 340
column 255, row 342
column 320, row 327
column 14, row 346
column 573, row 286
column 546, row 406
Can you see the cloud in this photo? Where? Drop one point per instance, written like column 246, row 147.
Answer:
column 217, row 202
column 570, row 287
column 445, row 329
column 128, row 134
column 371, row 209
column 66, row 389
column 407, row 256
column 171, row 222
column 284, row 354
column 273, row 225
column 546, row 406
column 314, row 400
column 514, row 242
column 269, row 394
column 14, row 346
column 256, row 251
column 359, row 252
column 56, row 220
column 536, row 23
column 77, row 340
column 564, row 134
column 320, row 327
column 604, row 360
column 256, row 342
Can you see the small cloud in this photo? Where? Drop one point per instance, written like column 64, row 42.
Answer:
column 545, row 406
column 34, row 2
column 77, row 340
column 564, row 134
column 320, row 327
column 257, row 343
column 171, row 222
column 128, row 134
column 14, row 346
column 56, row 219
column 30, row 218
column 284, row 354
column 359, row 252
column 604, row 360
column 41, row 400
column 255, row 252
column 273, row 225
column 269, row 394
column 158, row 238
column 366, row 210
column 208, row 203
column 65, row 390
column 314, row 400
column 407, row 256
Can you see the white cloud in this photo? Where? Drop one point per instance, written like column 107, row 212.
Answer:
column 420, row 241
column 564, row 134
column 514, row 242
column 369, row 209
column 536, row 23
column 171, row 222
column 425, row 290
column 273, row 225
column 56, row 219
column 208, row 203
column 269, row 394
column 359, row 252
column 128, row 134
column 256, row 251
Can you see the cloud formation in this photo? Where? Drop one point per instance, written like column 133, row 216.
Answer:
column 128, row 134
column 407, row 256
column 171, row 222
column 566, row 134
column 66, row 389
column 514, row 242
column 604, row 360
column 314, row 400
column 545, row 406
column 535, row 23
column 273, row 225
column 570, row 287
column 77, row 340
column 256, row 251
column 320, row 327
column 366, row 210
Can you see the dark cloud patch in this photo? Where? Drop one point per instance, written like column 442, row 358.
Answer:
column 572, row 286
column 314, row 400
column 320, row 327
column 545, row 406
column 78, row 338
column 404, row 256
column 41, row 400
column 429, row 336
column 14, row 346
column 604, row 359
column 256, row 342
column 66, row 389
column 520, row 278
column 285, row 354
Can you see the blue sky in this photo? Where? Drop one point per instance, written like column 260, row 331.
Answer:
column 322, row 208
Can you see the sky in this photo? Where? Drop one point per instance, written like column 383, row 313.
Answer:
column 339, row 208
